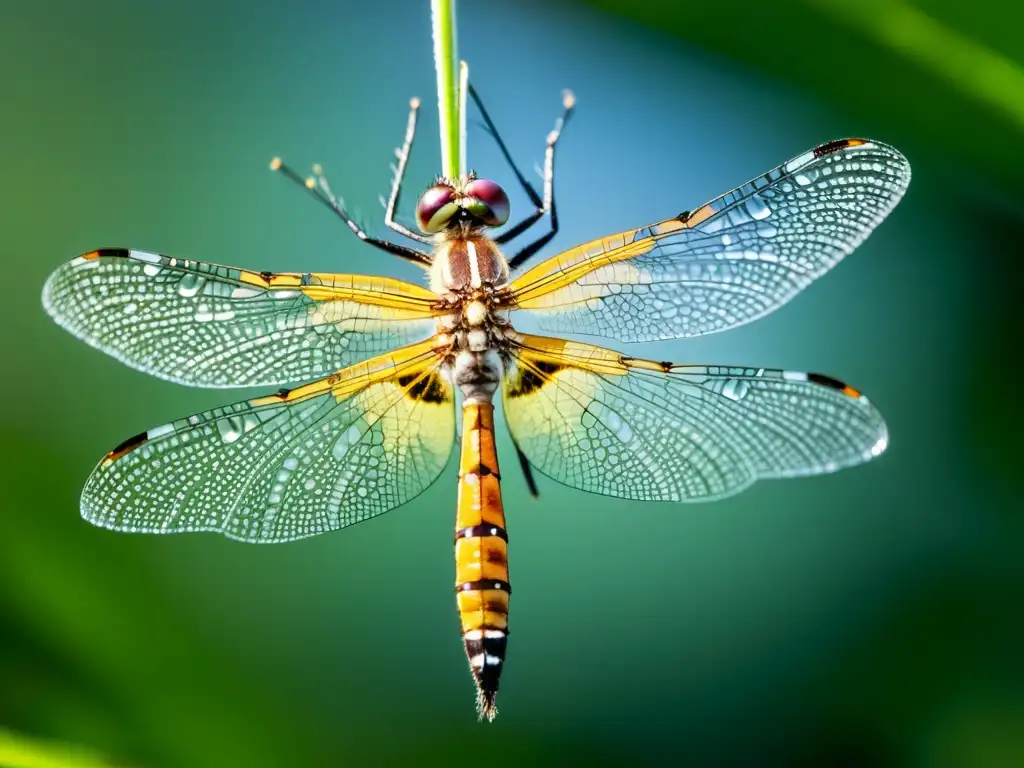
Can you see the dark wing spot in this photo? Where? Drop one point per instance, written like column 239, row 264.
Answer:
column 127, row 446
column 834, row 146
column 533, row 378
column 826, row 381
column 114, row 253
column 427, row 388
column 684, row 216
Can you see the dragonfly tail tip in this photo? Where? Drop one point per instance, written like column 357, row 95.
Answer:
column 485, row 706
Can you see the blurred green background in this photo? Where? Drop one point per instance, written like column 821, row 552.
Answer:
column 868, row 618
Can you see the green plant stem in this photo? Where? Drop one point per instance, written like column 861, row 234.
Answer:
column 448, row 109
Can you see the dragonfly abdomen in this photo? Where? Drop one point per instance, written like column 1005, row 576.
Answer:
column 481, row 554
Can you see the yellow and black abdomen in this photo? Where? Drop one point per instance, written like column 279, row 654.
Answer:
column 481, row 554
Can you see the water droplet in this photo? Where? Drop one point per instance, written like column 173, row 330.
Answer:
column 764, row 229
column 757, row 208
column 152, row 270
column 230, row 429
column 190, row 285
column 233, row 427
column 806, row 177
column 735, row 389
column 726, row 240
column 130, row 307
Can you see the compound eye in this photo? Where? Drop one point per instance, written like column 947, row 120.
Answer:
column 487, row 201
column 435, row 208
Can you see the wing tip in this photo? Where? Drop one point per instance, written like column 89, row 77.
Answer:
column 863, row 143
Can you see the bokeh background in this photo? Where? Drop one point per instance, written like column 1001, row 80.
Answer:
column 868, row 618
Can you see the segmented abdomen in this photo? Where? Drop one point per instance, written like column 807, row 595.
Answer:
column 481, row 554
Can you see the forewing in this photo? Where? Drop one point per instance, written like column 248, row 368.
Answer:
column 301, row 462
column 214, row 326
column 599, row 421
column 726, row 263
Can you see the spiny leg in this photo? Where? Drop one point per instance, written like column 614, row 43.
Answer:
column 531, row 193
column 318, row 187
column 548, row 203
column 543, row 204
column 402, row 154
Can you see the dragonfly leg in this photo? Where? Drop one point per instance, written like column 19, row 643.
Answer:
column 546, row 205
column 535, row 199
column 402, row 154
column 524, row 465
column 318, row 187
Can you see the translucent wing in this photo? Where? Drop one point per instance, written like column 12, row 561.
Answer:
column 726, row 263
column 301, row 462
column 594, row 419
column 214, row 326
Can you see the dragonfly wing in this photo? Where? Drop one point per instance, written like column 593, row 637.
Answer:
column 726, row 263
column 596, row 420
column 316, row 458
column 214, row 326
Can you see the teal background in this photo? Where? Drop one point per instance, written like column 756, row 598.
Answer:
column 867, row 618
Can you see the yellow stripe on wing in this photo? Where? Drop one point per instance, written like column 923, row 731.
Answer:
column 566, row 268
column 415, row 361
column 324, row 286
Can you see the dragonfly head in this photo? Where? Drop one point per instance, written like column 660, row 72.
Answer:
column 473, row 201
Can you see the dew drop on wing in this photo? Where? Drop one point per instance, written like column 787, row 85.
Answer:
column 735, row 389
column 190, row 284
column 758, row 208
column 809, row 176
column 229, row 429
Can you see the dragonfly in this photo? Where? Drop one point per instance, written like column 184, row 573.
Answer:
column 377, row 371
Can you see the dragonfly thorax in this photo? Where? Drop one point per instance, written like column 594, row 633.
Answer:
column 462, row 265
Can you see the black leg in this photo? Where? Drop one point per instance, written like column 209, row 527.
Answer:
column 544, row 205
column 491, row 129
column 548, row 203
column 318, row 187
column 396, row 183
column 524, row 464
